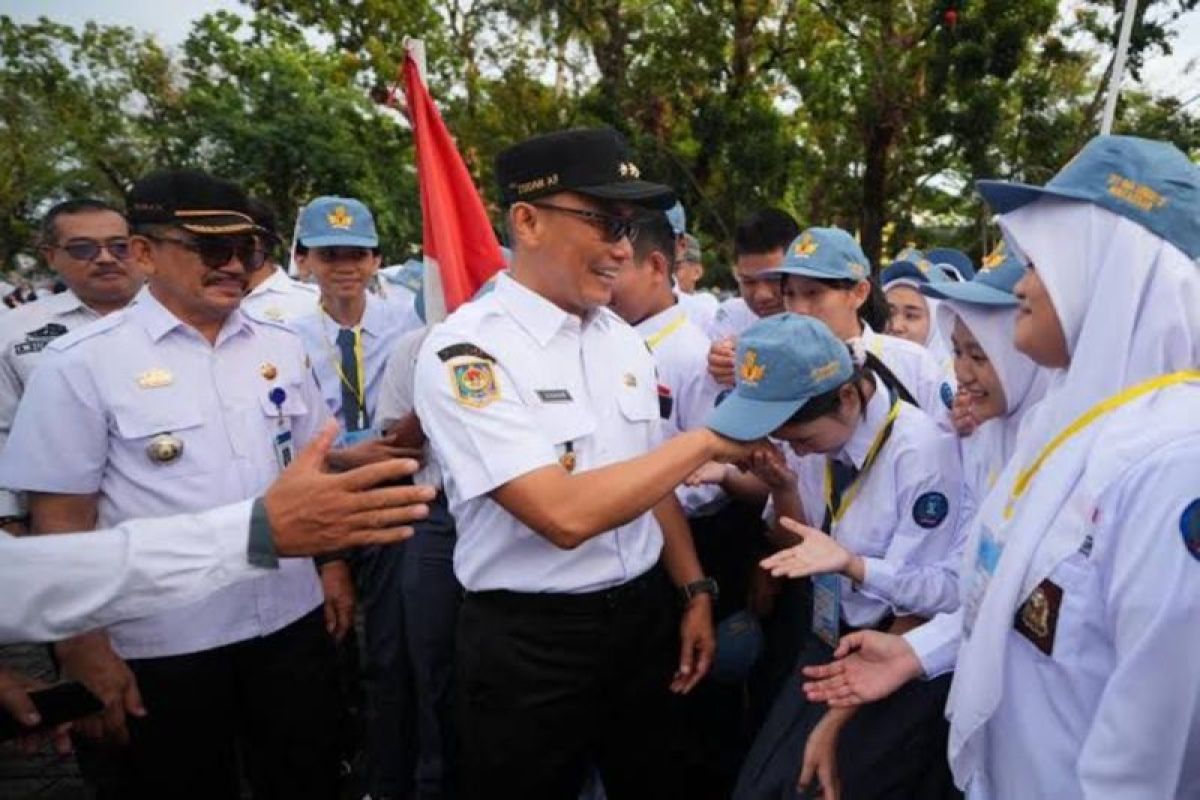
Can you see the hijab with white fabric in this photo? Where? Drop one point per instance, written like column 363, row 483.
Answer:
column 1129, row 305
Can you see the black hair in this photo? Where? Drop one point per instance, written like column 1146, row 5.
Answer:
column 263, row 216
column 764, row 232
column 301, row 250
column 80, row 205
column 655, row 235
column 873, row 311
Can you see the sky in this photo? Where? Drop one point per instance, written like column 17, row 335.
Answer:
column 170, row 20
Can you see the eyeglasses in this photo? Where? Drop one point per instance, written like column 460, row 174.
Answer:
column 89, row 249
column 612, row 228
column 217, row 251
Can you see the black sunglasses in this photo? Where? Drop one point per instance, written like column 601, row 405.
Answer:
column 89, row 249
column 217, row 251
column 612, row 227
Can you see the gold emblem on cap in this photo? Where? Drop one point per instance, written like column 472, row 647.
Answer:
column 994, row 258
column 340, row 218
column 268, row 371
column 628, row 169
column 1136, row 194
column 805, row 247
column 751, row 371
column 568, row 460
column 630, row 379
column 155, row 378
column 825, row 371
column 164, row 448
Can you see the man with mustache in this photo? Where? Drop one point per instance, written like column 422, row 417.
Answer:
column 178, row 404
column 86, row 242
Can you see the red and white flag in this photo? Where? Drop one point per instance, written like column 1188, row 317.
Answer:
column 461, row 250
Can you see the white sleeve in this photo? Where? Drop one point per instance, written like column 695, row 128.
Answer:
column 936, row 643
column 1146, row 730
column 397, row 388
column 697, row 397
column 11, row 503
column 58, row 585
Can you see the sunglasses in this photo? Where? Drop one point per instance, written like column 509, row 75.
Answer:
column 217, row 251
column 612, row 227
column 90, row 249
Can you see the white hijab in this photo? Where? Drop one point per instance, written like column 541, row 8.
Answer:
column 1129, row 305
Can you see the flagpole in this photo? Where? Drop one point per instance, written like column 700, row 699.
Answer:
column 1118, row 71
column 435, row 297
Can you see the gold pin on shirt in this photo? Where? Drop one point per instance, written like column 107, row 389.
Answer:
column 164, row 448
column 630, row 379
column 268, row 371
column 568, row 459
column 155, row 378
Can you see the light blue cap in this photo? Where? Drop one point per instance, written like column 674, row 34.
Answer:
column 992, row 285
column 677, row 217
column 825, row 254
column 1149, row 182
column 337, row 222
column 959, row 262
column 783, row 361
column 920, row 271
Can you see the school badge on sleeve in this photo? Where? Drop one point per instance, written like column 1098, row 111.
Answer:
column 474, row 383
column 1189, row 526
column 931, row 509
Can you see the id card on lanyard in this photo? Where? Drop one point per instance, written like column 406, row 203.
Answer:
column 827, row 587
column 282, row 440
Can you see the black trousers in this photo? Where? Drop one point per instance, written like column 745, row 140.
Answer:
column 894, row 749
column 270, row 702
column 551, row 684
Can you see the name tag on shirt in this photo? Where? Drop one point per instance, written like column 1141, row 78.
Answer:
column 284, row 449
column 827, row 608
column 987, row 557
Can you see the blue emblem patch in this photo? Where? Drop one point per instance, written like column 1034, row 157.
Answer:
column 931, row 509
column 1189, row 526
column 947, row 395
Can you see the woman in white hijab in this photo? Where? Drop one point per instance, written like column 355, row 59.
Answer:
column 912, row 314
column 1077, row 671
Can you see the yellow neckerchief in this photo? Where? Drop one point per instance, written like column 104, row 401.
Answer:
column 851, row 492
column 359, row 391
column 1025, row 476
column 671, row 327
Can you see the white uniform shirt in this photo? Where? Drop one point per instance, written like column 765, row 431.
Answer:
column 24, row 334
column 931, row 387
column 681, row 352
column 1113, row 711
column 396, row 397
column 504, row 386
column 280, row 298
column 701, row 307
column 108, row 390
column 58, row 586
column 382, row 327
column 911, row 557
column 731, row 318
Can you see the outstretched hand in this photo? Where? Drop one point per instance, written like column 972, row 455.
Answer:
column 867, row 666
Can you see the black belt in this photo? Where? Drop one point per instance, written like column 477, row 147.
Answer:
column 632, row 591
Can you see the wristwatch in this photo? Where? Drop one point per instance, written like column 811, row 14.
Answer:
column 696, row 588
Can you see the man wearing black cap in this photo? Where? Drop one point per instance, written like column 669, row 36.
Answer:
column 176, row 404
column 542, row 409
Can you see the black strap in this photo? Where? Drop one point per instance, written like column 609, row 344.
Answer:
column 890, row 380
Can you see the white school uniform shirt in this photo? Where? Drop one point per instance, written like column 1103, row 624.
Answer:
column 929, row 383
column 381, row 327
column 504, row 385
column 61, row 585
column 106, row 391
column 910, row 557
column 280, row 298
column 24, row 334
column 701, row 307
column 681, row 352
column 731, row 318
column 397, row 396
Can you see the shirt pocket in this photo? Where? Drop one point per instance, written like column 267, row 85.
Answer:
column 567, row 426
column 1055, row 617
column 169, row 438
column 291, row 407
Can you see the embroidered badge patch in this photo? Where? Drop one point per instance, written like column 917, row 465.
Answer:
column 464, row 349
column 947, row 395
column 931, row 509
column 474, row 383
column 1189, row 526
column 1037, row 618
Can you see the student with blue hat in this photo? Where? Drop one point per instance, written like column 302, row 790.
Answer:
column 1082, row 581
column 826, row 275
column 877, row 482
column 911, row 313
column 954, row 263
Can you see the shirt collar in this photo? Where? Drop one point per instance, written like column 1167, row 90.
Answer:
column 653, row 324
column 66, row 302
column 276, row 283
column 537, row 315
column 374, row 319
column 855, row 451
column 158, row 321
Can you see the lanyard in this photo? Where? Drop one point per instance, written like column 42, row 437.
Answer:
column 851, row 492
column 1026, row 476
column 335, row 355
column 657, row 339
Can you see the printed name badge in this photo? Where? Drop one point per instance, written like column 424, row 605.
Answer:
column 283, row 448
column 827, row 608
column 987, row 557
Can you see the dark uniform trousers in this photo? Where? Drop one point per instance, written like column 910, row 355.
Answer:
column 270, row 703
column 550, row 684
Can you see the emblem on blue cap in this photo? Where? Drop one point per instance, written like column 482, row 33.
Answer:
column 340, row 218
column 805, row 246
column 751, row 372
column 994, row 258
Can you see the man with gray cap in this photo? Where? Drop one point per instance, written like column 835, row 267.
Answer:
column 542, row 411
